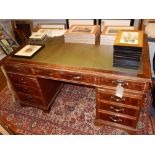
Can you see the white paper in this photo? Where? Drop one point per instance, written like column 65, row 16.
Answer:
column 55, row 33
column 119, row 90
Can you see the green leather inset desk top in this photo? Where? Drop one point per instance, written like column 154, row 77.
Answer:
column 80, row 55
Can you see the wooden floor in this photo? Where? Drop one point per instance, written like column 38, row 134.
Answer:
column 3, row 84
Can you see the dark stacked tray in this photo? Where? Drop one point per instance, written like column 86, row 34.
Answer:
column 127, row 56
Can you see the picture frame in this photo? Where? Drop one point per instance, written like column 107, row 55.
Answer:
column 109, row 34
column 70, row 22
column 83, row 29
column 148, row 26
column 146, row 22
column 113, row 30
column 5, row 45
column 52, row 26
column 132, row 38
column 28, row 51
column 115, row 22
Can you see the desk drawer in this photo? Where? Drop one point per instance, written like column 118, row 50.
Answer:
column 77, row 77
column 47, row 72
column 118, row 109
column 64, row 75
column 139, row 86
column 22, row 80
column 135, row 100
column 117, row 119
column 19, row 69
column 27, row 90
column 30, row 100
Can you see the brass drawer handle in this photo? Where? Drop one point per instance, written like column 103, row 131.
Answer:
column 118, row 99
column 17, row 68
column 115, row 119
column 22, row 81
column 70, row 76
column 123, row 83
column 116, row 109
column 77, row 77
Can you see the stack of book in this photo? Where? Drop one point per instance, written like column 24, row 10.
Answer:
column 109, row 33
column 126, row 58
column 38, row 38
column 87, row 34
column 128, row 49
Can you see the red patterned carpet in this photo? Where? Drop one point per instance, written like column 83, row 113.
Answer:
column 73, row 112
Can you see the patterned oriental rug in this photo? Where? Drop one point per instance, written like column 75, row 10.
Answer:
column 73, row 112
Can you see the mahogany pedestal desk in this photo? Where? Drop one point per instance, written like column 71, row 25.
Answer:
column 37, row 81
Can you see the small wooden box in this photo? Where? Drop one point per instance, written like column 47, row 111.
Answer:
column 129, row 38
column 128, row 49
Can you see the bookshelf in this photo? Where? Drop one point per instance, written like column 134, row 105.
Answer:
column 7, row 42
